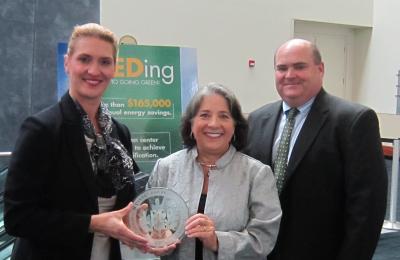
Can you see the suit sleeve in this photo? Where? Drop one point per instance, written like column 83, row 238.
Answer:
column 155, row 178
column 27, row 213
column 365, row 187
column 251, row 148
column 253, row 139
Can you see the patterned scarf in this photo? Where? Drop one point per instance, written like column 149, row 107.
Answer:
column 109, row 157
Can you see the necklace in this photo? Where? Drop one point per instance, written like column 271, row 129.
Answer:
column 209, row 166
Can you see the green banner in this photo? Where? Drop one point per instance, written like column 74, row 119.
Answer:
column 145, row 94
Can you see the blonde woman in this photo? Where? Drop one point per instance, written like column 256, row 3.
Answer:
column 70, row 179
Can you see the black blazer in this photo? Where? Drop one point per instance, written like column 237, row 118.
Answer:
column 50, row 191
column 334, row 199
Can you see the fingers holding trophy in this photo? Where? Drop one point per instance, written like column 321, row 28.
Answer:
column 159, row 214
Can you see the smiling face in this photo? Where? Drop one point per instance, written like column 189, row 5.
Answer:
column 213, row 126
column 90, row 68
column 298, row 77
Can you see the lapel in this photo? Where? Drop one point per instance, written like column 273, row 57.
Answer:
column 314, row 121
column 77, row 145
column 268, row 126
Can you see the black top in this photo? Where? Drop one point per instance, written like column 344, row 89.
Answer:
column 199, row 244
column 51, row 180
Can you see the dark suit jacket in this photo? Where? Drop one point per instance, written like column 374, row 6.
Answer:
column 50, row 191
column 334, row 199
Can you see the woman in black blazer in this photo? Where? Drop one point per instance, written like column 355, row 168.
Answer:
column 70, row 178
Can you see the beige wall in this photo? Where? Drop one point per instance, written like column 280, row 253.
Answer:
column 226, row 33
column 389, row 125
column 379, row 78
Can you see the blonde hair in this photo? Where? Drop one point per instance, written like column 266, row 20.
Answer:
column 92, row 30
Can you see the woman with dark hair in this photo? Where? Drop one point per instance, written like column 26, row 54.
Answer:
column 232, row 198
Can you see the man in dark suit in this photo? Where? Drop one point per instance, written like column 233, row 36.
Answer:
column 333, row 193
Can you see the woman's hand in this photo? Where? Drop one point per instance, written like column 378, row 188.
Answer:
column 113, row 224
column 141, row 209
column 203, row 228
column 166, row 250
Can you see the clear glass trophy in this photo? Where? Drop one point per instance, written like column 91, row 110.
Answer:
column 159, row 214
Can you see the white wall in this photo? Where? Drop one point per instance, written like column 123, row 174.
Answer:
column 379, row 78
column 226, row 33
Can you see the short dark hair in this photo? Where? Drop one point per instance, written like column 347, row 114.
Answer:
column 316, row 54
column 239, row 139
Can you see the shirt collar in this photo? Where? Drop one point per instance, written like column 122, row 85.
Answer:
column 304, row 109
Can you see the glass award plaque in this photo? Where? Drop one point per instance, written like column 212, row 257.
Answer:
column 159, row 214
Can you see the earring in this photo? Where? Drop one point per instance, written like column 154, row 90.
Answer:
column 234, row 138
column 191, row 135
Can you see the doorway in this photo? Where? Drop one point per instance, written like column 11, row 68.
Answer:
column 336, row 45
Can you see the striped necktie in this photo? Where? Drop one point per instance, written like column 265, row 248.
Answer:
column 280, row 163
